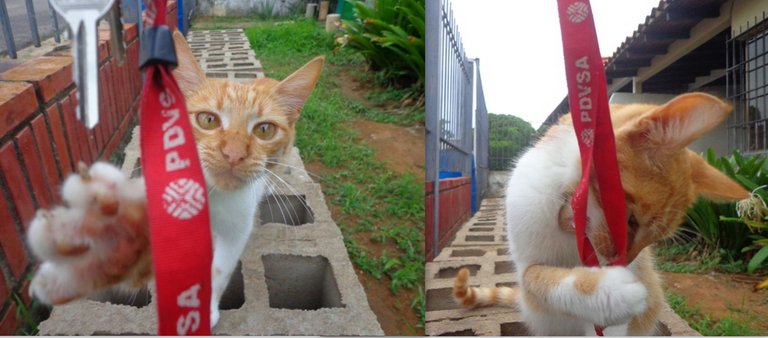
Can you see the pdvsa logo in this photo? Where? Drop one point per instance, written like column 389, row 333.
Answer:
column 183, row 198
column 577, row 12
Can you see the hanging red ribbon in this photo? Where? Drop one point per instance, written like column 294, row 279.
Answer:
column 177, row 204
column 588, row 99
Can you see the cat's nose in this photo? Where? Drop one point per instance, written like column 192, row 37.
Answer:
column 233, row 158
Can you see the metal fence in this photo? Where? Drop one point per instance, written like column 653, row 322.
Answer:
column 28, row 22
column 449, row 101
column 482, row 142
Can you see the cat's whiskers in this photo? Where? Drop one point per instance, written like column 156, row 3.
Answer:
column 294, row 167
column 278, row 198
column 290, row 188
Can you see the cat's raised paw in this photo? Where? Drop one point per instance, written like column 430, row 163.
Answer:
column 620, row 297
column 98, row 239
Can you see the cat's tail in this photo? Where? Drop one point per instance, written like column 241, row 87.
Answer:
column 470, row 297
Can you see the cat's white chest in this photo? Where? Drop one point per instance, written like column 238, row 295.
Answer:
column 233, row 212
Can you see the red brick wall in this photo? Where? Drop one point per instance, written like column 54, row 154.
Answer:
column 41, row 142
column 455, row 210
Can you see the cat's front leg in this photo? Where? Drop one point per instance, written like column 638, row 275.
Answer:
column 99, row 239
column 604, row 296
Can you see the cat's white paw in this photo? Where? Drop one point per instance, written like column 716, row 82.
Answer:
column 96, row 240
column 619, row 297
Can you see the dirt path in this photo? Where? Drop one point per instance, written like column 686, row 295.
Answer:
column 721, row 296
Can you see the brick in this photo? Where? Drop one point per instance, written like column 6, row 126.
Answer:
column 130, row 31
column 59, row 140
column 103, row 51
column 50, row 74
column 44, row 144
column 5, row 289
column 11, row 244
column 109, row 114
column 70, row 123
column 17, row 103
column 16, row 183
column 34, row 168
column 85, row 142
column 9, row 325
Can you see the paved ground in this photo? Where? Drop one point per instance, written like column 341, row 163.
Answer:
column 22, row 34
column 481, row 246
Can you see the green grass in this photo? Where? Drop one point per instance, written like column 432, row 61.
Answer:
column 691, row 257
column 704, row 324
column 373, row 200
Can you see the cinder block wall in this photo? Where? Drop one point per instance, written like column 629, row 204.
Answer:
column 41, row 142
column 455, row 209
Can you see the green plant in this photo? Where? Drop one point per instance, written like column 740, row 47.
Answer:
column 718, row 225
column 391, row 38
column 266, row 9
column 28, row 320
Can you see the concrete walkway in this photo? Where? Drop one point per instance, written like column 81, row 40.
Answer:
column 481, row 246
column 294, row 278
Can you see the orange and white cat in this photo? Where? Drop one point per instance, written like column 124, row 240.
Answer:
column 661, row 178
column 100, row 238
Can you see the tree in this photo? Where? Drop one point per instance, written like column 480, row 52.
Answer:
column 509, row 135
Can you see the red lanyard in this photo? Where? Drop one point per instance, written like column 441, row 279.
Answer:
column 587, row 94
column 176, row 193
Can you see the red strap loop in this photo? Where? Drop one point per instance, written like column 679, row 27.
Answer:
column 587, row 94
column 177, row 201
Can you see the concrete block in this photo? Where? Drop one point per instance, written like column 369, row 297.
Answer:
column 492, row 324
column 294, row 278
column 225, row 54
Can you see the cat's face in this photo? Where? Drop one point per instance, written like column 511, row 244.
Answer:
column 660, row 176
column 241, row 129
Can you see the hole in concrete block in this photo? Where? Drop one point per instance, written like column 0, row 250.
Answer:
column 514, row 329
column 502, row 252
column 441, row 299
column 138, row 298
column 217, row 65
column 484, row 223
column 662, row 329
column 243, row 64
column 286, row 209
column 215, row 60
column 468, row 253
column 480, row 229
column 217, row 75
column 452, row 272
column 239, row 53
column 217, row 54
column 479, row 238
column 504, row 267
column 506, row 284
column 240, row 59
column 245, row 76
column 467, row 332
column 234, row 295
column 300, row 282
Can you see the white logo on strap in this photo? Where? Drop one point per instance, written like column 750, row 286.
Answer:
column 577, row 12
column 183, row 198
column 588, row 137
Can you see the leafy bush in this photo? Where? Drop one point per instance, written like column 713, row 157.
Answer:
column 719, row 226
column 509, row 136
column 391, row 38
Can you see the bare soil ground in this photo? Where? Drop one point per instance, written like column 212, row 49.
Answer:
column 723, row 295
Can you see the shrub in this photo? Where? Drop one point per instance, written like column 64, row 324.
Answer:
column 719, row 226
column 391, row 38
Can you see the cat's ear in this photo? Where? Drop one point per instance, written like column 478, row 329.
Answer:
column 292, row 92
column 188, row 73
column 713, row 184
column 682, row 120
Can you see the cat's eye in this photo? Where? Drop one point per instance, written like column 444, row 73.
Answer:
column 265, row 131
column 208, row 121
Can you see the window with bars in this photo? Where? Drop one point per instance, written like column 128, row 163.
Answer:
column 748, row 89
